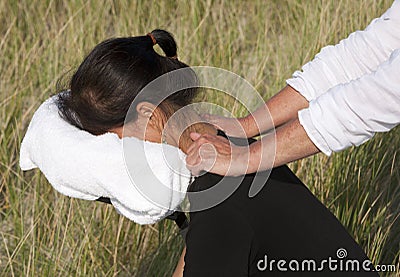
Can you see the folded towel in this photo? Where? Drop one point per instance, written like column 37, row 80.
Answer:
column 145, row 181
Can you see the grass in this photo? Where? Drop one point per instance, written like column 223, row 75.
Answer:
column 43, row 233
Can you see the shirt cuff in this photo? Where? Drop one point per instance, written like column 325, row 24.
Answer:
column 300, row 85
column 306, row 121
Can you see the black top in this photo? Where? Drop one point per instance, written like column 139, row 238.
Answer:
column 284, row 221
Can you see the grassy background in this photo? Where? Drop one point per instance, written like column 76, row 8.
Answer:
column 43, row 233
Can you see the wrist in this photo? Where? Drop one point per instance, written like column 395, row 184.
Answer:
column 249, row 125
column 240, row 160
column 253, row 161
column 245, row 160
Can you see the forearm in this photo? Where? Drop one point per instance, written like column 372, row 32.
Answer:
column 290, row 143
column 278, row 110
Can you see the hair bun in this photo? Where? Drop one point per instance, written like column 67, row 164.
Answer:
column 153, row 39
column 165, row 40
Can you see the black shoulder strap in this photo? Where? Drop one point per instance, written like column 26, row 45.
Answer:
column 104, row 200
column 180, row 219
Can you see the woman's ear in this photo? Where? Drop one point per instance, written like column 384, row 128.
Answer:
column 152, row 114
column 145, row 109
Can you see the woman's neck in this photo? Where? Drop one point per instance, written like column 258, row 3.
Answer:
column 177, row 131
column 202, row 128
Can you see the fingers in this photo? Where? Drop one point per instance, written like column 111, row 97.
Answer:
column 231, row 126
column 215, row 120
column 196, row 142
column 194, row 136
column 204, row 152
column 194, row 168
column 193, row 152
column 221, row 143
column 196, row 157
column 201, row 159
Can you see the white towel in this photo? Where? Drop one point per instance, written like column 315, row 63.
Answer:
column 145, row 181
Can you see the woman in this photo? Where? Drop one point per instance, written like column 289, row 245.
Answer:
column 284, row 228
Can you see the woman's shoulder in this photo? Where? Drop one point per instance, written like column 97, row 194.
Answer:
column 208, row 180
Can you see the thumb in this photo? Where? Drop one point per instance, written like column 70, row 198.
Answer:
column 194, row 135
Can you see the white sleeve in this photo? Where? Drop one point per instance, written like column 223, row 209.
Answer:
column 350, row 114
column 361, row 53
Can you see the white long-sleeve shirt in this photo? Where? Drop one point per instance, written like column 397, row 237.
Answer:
column 353, row 87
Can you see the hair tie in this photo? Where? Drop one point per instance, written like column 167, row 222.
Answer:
column 153, row 39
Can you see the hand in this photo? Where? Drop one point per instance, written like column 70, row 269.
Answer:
column 215, row 154
column 234, row 127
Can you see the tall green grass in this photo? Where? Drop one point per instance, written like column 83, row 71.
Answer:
column 43, row 233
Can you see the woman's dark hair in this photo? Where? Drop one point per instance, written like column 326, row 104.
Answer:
column 111, row 77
